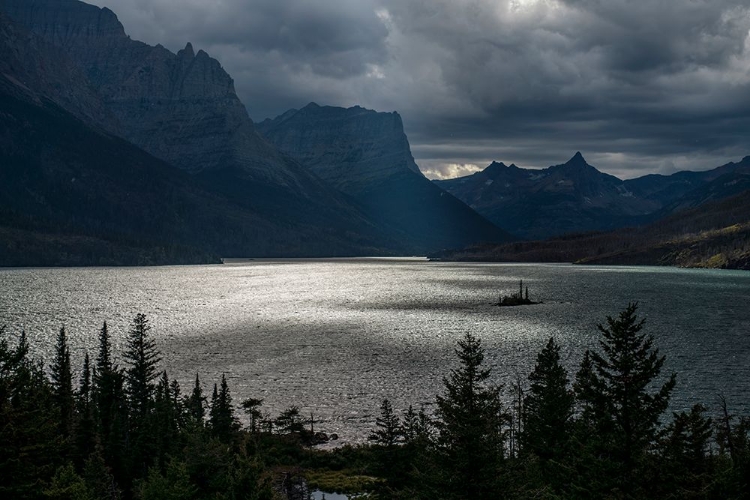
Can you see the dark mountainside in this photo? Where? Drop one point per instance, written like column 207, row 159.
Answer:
column 575, row 197
column 73, row 194
column 715, row 234
column 366, row 155
column 182, row 109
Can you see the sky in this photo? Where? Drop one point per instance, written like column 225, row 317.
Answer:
column 638, row 86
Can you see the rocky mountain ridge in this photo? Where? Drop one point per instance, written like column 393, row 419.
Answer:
column 349, row 148
column 575, row 197
column 366, row 155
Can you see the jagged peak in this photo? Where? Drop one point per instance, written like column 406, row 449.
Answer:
column 494, row 168
column 187, row 52
column 577, row 159
column 496, row 164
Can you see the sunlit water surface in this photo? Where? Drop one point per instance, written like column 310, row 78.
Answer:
column 335, row 337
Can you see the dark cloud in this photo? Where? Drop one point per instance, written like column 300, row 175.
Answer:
column 637, row 86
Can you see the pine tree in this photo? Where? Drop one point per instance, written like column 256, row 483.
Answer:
column 548, row 407
column 84, row 424
column 142, row 357
column 196, row 404
column 166, row 419
column 470, row 420
column 289, row 422
column 109, row 406
column 62, row 381
column 30, row 450
column 222, row 420
column 614, row 389
column 684, row 453
column 251, row 406
column 387, row 430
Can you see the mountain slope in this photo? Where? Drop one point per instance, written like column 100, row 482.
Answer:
column 715, row 234
column 182, row 108
column 70, row 194
column 575, row 197
column 366, row 155
column 571, row 197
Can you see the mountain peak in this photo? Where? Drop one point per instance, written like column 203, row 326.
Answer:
column 187, row 52
column 577, row 159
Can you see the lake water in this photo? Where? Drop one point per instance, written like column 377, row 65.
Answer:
column 335, row 337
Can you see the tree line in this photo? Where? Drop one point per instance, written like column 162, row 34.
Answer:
column 120, row 432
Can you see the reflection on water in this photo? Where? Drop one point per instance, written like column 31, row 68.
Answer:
column 336, row 336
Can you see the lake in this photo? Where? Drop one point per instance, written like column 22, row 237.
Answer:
column 335, row 337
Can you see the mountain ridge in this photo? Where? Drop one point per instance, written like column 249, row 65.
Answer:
column 575, row 197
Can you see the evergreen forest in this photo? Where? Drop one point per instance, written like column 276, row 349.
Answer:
column 111, row 431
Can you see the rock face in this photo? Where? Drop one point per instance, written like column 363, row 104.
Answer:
column 73, row 194
column 575, row 197
column 350, row 148
column 35, row 69
column 181, row 107
column 366, row 155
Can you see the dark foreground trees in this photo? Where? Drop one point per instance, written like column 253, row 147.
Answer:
column 130, row 433
column 470, row 427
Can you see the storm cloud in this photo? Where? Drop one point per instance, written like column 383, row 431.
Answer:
column 638, row 87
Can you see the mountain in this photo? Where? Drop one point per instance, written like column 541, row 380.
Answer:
column 72, row 193
column 575, row 197
column 366, row 155
column 182, row 108
column 571, row 197
column 715, row 234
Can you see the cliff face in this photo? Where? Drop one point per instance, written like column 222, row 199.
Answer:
column 349, row 148
column 34, row 69
column 181, row 108
column 366, row 155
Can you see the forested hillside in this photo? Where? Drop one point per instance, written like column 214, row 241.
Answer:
column 715, row 234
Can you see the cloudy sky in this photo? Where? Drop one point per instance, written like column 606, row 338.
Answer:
column 638, row 86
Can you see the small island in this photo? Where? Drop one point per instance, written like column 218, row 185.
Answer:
column 516, row 299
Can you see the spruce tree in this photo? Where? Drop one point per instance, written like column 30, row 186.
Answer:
column 109, row 406
column 548, row 406
column 470, row 419
column 222, row 419
column 196, row 404
column 614, row 389
column 166, row 426
column 388, row 431
column 142, row 357
column 85, row 438
column 62, row 381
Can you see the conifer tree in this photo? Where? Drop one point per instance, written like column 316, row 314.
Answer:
column 548, row 406
column 387, row 430
column 166, row 419
column 196, row 404
column 62, row 381
column 251, row 406
column 84, row 425
column 614, row 388
column 470, row 419
column 109, row 405
column 142, row 357
column 222, row 419
column 289, row 421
